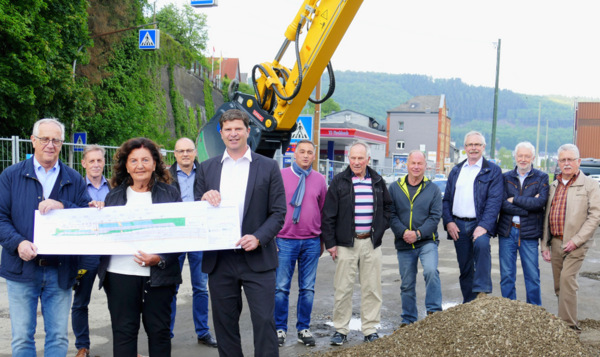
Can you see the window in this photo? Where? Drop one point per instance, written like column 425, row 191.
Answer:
column 400, row 126
column 399, row 144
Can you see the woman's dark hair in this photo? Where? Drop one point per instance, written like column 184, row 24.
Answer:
column 120, row 173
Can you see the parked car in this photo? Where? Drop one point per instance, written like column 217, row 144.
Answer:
column 441, row 183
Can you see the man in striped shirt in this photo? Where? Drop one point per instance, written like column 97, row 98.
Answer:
column 572, row 217
column 355, row 216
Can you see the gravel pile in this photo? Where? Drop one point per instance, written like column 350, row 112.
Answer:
column 488, row 326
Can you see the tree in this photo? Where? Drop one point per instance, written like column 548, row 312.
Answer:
column 185, row 26
column 330, row 106
column 39, row 41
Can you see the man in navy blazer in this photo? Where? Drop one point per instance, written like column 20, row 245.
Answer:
column 255, row 183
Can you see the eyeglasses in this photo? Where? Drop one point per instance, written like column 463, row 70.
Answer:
column 187, row 151
column 45, row 141
column 567, row 160
column 475, row 145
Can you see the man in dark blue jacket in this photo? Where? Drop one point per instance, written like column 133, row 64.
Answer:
column 41, row 183
column 416, row 212
column 470, row 209
column 520, row 225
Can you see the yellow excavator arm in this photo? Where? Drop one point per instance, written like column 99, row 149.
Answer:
column 281, row 93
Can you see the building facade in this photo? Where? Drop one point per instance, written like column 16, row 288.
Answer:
column 422, row 123
column 587, row 129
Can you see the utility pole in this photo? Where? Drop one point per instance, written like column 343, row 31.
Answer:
column 537, row 140
column 546, row 149
column 493, row 150
column 317, row 127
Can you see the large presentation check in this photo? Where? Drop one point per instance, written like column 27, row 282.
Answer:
column 157, row 228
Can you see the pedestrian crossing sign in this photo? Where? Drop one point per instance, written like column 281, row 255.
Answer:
column 149, row 39
column 303, row 129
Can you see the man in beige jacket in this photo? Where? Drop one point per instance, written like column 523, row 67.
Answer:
column 572, row 217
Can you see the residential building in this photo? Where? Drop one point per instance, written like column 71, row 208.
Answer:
column 422, row 123
column 587, row 129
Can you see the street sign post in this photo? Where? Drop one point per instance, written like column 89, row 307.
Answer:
column 204, row 3
column 149, row 39
column 304, row 129
column 80, row 140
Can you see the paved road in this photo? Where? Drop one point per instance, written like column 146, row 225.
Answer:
column 184, row 342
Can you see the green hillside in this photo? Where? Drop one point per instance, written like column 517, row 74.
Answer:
column 470, row 107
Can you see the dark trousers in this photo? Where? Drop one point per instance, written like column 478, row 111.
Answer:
column 230, row 274
column 129, row 296
column 474, row 261
column 79, row 310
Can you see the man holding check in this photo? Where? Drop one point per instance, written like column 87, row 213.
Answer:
column 255, row 183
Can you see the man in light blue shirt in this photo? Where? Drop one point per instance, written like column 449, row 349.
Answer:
column 183, row 173
column 97, row 187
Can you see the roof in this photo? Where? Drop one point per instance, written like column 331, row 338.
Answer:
column 230, row 67
column 421, row 104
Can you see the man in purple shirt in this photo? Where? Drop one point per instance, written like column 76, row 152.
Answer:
column 299, row 240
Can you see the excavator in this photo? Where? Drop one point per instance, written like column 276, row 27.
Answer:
column 281, row 93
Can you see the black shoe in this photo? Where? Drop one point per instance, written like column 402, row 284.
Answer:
column 372, row 337
column 306, row 338
column 338, row 339
column 208, row 340
column 281, row 337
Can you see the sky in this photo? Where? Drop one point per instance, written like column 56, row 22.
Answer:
column 547, row 47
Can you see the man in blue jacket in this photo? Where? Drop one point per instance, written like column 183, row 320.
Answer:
column 470, row 209
column 41, row 183
column 520, row 225
column 416, row 212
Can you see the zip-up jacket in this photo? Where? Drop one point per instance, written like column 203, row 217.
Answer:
column 20, row 195
column 422, row 213
column 161, row 193
column 529, row 208
column 337, row 223
column 488, row 191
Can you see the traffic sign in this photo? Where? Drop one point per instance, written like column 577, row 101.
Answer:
column 204, row 3
column 304, row 129
column 80, row 140
column 149, row 39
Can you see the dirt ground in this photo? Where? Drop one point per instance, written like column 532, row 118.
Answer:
column 184, row 342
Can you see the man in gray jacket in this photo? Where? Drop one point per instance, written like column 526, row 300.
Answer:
column 416, row 212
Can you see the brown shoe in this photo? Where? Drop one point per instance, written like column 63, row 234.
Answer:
column 83, row 352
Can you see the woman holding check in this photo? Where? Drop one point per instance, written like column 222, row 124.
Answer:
column 142, row 284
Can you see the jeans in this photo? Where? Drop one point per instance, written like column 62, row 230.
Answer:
column 474, row 261
column 407, row 264
column 306, row 252
column 528, row 251
column 200, row 294
column 79, row 310
column 56, row 303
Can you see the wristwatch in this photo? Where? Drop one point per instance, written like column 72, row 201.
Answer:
column 418, row 234
column 161, row 264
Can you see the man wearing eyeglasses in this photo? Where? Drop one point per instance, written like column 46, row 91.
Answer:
column 572, row 217
column 41, row 183
column 471, row 204
column 183, row 173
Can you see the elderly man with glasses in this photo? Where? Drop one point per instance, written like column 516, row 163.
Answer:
column 41, row 183
column 471, row 205
column 572, row 217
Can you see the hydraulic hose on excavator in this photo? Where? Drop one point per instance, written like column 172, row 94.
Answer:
column 281, row 93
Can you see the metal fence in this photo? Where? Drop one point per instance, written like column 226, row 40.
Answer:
column 15, row 149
